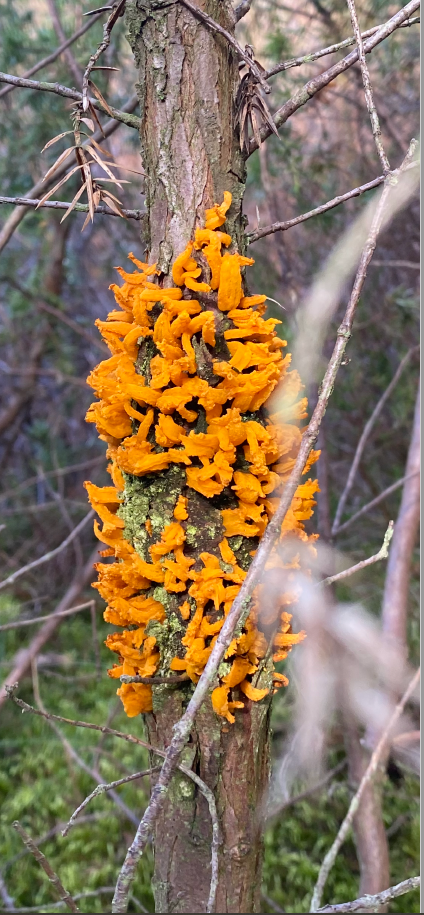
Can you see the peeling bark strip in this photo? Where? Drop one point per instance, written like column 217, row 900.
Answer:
column 214, row 466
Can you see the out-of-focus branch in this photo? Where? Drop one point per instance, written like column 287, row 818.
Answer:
column 47, row 556
column 24, row 657
column 323, row 208
column 370, row 505
column 365, row 436
column 369, row 95
column 63, row 205
column 47, row 868
column 241, row 604
column 241, row 9
column 354, row 804
column 215, row 27
column 20, row 624
column 331, row 49
column 18, row 214
column 55, row 54
column 396, row 588
column 310, row 89
column 69, row 57
column 382, row 554
column 59, row 472
column 20, row 398
column 131, row 120
column 374, row 902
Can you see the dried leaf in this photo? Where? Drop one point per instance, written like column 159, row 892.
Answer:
column 100, row 97
column 89, row 123
column 100, row 148
column 86, row 221
column 74, row 201
column 94, row 115
column 55, row 139
column 61, row 158
column 113, row 206
column 102, row 164
column 57, row 186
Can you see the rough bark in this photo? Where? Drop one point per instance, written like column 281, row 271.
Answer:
column 187, row 82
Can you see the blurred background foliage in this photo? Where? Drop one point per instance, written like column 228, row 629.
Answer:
column 53, row 284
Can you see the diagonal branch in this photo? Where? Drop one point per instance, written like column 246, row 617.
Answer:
column 382, row 554
column 102, row 789
column 310, row 89
column 370, row 505
column 55, row 54
column 373, row 903
column 131, row 120
column 47, row 868
column 369, row 96
column 331, row 49
column 19, row 624
column 49, row 555
column 323, row 208
column 365, row 436
column 215, row 27
column 354, row 804
column 57, row 25
column 63, row 205
column 241, row 605
column 117, row 11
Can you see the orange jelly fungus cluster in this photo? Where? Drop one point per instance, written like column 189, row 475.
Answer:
column 150, row 425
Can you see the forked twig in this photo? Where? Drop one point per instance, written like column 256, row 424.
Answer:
column 371, row 770
column 47, row 868
column 50, row 554
column 101, row 789
column 374, row 902
column 382, row 554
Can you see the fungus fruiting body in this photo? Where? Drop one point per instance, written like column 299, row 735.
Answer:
column 185, row 406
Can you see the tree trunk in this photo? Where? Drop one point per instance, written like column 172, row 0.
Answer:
column 188, row 78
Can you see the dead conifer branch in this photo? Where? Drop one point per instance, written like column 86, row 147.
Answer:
column 102, row 789
column 215, row 27
column 354, row 804
column 369, row 95
column 63, row 205
column 373, row 903
column 365, row 435
column 331, row 49
column 382, row 554
column 117, row 11
column 374, row 502
column 131, row 120
column 314, row 85
column 43, row 862
column 49, row 555
column 323, row 208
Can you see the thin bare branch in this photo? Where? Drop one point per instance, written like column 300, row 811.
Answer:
column 19, row 212
column 10, row 691
column 117, row 11
column 277, row 809
column 49, row 555
column 310, row 89
column 331, row 49
column 354, row 804
column 370, row 505
column 102, row 789
column 60, row 472
column 241, row 605
column 369, row 95
column 374, row 902
column 365, row 436
column 215, row 27
column 47, row 868
column 55, row 54
column 62, row 205
column 323, row 208
column 242, row 9
column 69, row 57
column 19, row 624
column 382, row 554
column 131, row 120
